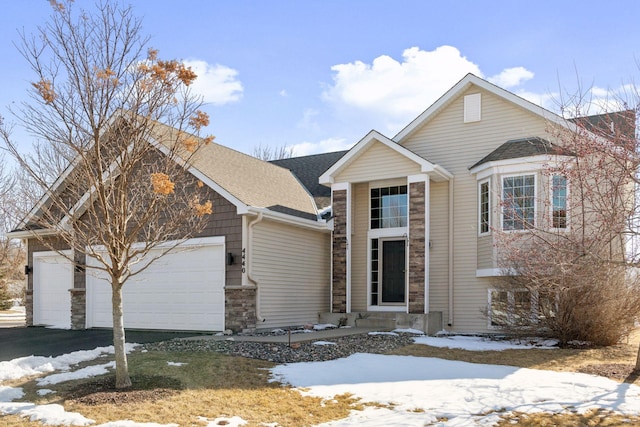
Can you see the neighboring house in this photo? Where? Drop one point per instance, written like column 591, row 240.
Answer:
column 408, row 241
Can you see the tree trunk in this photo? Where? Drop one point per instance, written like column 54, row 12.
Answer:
column 637, row 369
column 122, row 366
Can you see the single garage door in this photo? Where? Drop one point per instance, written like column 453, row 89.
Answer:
column 183, row 290
column 52, row 280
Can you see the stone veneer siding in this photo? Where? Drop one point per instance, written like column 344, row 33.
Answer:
column 339, row 254
column 417, row 247
column 240, row 308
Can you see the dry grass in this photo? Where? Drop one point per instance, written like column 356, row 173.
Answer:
column 564, row 360
column 212, row 385
column 208, row 385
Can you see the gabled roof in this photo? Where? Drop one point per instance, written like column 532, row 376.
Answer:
column 245, row 181
column 608, row 125
column 518, row 148
column 461, row 87
column 438, row 172
column 308, row 170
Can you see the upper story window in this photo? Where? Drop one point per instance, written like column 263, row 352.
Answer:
column 559, row 201
column 518, row 198
column 389, row 207
column 485, row 207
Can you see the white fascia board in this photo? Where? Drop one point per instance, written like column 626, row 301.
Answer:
column 520, row 164
column 241, row 207
column 28, row 234
column 372, row 137
column 462, row 86
column 289, row 219
column 58, row 182
column 327, row 178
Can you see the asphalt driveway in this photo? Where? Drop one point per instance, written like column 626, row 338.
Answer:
column 38, row 341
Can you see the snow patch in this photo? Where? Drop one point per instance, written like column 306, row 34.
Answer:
column 323, row 326
column 222, row 421
column 471, row 343
column 423, row 390
column 393, row 334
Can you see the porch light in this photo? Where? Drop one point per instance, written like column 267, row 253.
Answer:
column 230, row 258
column 27, row 270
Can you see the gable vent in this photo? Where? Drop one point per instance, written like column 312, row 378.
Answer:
column 472, row 108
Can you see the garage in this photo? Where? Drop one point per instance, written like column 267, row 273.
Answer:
column 183, row 290
column 52, row 280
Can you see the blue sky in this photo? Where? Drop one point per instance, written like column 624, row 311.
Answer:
column 318, row 75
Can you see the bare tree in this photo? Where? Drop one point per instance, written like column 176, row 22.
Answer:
column 266, row 153
column 11, row 253
column 575, row 265
column 128, row 125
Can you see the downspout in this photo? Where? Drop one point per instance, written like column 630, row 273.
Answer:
column 250, row 276
column 451, row 230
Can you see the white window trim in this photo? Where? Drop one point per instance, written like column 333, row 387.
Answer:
column 400, row 233
column 535, row 199
column 567, row 199
column 480, row 183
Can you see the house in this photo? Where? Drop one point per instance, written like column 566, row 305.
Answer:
column 394, row 232
column 261, row 261
column 416, row 217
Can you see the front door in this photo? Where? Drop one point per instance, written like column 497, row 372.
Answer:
column 393, row 271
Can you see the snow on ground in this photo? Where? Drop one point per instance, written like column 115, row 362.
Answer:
column 38, row 365
column 483, row 343
column 422, row 390
column 229, row 422
column 88, row 372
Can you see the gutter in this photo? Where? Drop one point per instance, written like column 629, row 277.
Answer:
column 29, row 234
column 290, row 219
column 250, row 276
column 451, row 241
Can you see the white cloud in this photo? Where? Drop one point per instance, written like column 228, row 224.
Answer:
column 511, row 77
column 218, row 84
column 398, row 90
column 547, row 100
column 324, row 146
column 283, row 93
column 308, row 119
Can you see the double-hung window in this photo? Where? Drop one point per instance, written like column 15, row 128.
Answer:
column 519, row 201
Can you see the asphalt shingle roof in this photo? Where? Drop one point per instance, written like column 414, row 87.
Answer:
column 253, row 181
column 518, row 148
column 308, row 170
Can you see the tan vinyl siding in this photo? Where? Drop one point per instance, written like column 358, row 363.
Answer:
column 360, row 218
column 447, row 141
column 485, row 252
column 291, row 265
column 378, row 162
column 439, row 251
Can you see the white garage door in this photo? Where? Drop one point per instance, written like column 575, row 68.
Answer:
column 52, row 280
column 183, row 290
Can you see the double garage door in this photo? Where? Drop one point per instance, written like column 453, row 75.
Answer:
column 183, row 290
